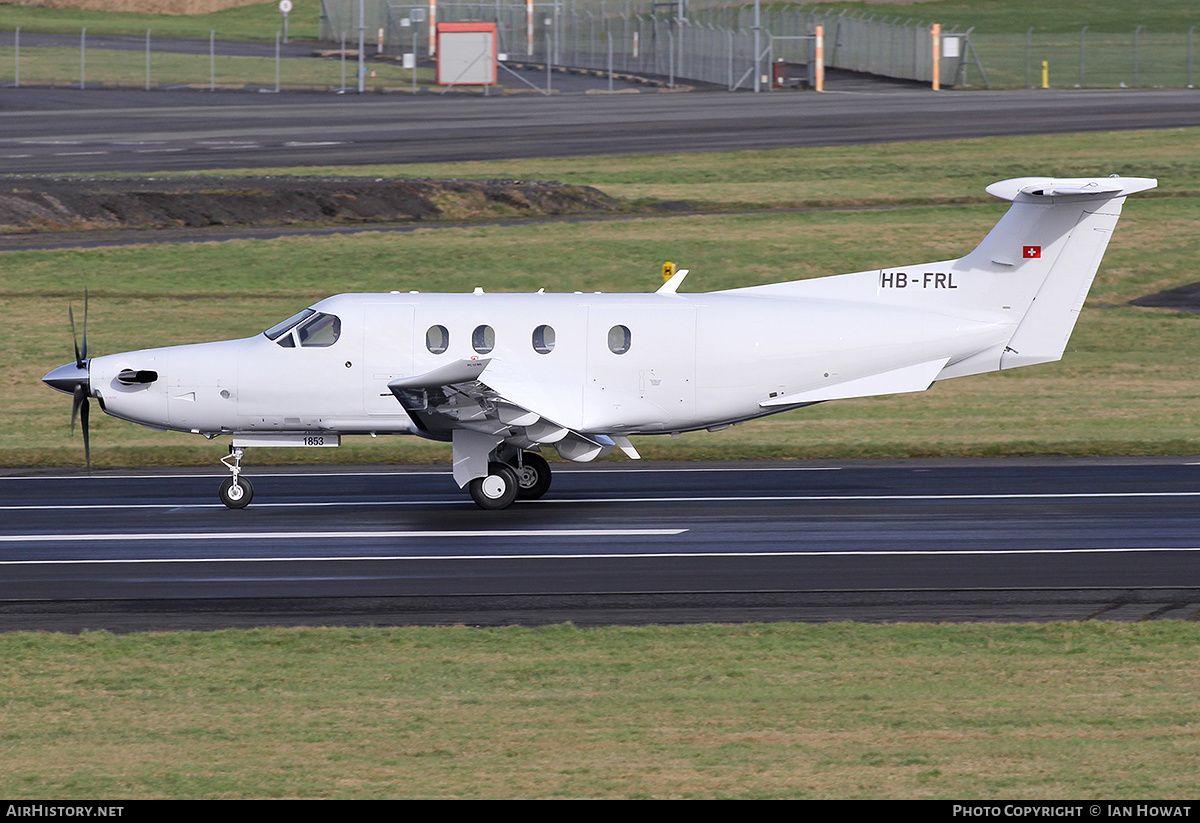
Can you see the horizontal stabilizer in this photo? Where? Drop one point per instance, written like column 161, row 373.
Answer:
column 913, row 378
column 1070, row 187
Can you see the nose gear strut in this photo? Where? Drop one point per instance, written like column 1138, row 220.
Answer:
column 236, row 491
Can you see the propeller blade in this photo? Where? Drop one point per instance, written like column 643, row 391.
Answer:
column 80, row 409
column 80, row 387
column 74, row 336
column 87, row 445
column 85, row 314
column 78, row 398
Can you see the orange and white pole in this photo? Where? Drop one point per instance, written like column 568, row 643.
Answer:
column 936, row 33
column 432, row 27
column 819, row 57
column 529, row 28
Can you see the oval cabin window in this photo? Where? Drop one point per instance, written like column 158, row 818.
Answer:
column 483, row 339
column 543, row 339
column 437, row 339
column 618, row 339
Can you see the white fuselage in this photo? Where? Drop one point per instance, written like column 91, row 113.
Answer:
column 504, row 376
column 691, row 362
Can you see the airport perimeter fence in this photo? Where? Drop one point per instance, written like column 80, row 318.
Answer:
column 682, row 44
column 713, row 44
column 92, row 61
column 1083, row 59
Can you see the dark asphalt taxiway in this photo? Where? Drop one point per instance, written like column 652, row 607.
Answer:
column 68, row 131
column 942, row 540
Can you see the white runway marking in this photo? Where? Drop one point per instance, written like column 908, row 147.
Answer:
column 636, row 555
column 418, row 473
column 340, row 535
column 773, row 498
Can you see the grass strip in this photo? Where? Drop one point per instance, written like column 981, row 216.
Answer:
column 887, row 174
column 50, row 66
column 1066, row 711
column 256, row 22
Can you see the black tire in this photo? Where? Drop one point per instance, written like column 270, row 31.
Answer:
column 236, row 497
column 533, row 476
column 497, row 490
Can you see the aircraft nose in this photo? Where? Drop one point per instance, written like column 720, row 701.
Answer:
column 67, row 378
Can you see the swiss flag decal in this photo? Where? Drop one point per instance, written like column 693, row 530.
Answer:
column 1031, row 251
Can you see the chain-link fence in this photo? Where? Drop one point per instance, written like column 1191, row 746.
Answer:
column 710, row 44
column 1086, row 58
column 118, row 61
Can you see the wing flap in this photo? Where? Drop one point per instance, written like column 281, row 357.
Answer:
column 455, row 403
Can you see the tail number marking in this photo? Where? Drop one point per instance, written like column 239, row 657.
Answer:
column 925, row 280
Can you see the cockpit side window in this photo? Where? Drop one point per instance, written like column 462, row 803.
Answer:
column 320, row 331
column 309, row 328
column 277, row 331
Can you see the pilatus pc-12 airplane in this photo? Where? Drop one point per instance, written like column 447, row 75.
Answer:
column 504, row 376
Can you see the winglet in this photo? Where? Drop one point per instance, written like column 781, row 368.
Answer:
column 672, row 285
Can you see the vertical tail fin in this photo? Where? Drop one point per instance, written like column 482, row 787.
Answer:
column 1044, row 254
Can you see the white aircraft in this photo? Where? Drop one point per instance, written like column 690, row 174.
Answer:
column 502, row 376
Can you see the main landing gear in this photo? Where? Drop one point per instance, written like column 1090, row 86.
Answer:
column 525, row 477
column 236, row 491
column 521, row 476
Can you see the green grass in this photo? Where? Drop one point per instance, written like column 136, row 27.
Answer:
column 1126, row 386
column 112, row 67
column 1064, row 711
column 1016, row 16
column 248, row 23
column 887, row 174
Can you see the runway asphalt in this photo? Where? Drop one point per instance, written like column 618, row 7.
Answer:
column 616, row 543
column 71, row 131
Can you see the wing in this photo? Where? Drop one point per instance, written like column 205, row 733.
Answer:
column 456, row 403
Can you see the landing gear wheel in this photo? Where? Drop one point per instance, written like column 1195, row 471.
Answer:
column 236, row 495
column 533, row 476
column 496, row 490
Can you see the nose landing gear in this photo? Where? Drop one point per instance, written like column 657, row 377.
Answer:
column 236, row 491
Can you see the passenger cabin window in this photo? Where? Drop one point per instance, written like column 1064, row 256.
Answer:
column 437, row 339
column 543, row 340
column 483, row 339
column 619, row 339
column 309, row 328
